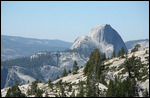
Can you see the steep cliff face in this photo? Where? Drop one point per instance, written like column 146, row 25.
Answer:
column 103, row 37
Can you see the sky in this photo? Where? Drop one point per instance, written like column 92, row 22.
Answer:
column 67, row 20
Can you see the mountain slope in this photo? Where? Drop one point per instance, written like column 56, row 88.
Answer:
column 103, row 37
column 43, row 65
column 115, row 68
column 142, row 42
column 14, row 47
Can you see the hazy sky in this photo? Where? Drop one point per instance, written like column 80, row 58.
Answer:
column 67, row 20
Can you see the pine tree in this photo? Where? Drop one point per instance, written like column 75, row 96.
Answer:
column 137, row 46
column 46, row 94
column 114, row 54
column 119, row 53
column 64, row 73
column 86, row 69
column 146, row 94
column 75, row 67
column 126, row 54
column 14, row 91
column 57, row 77
column 70, row 88
column 122, row 52
column 88, row 86
column 97, row 90
column 39, row 93
column 81, row 91
column 111, row 89
column 73, row 94
column 134, row 88
column 103, row 56
column 34, row 88
column 62, row 91
column 93, row 70
column 50, row 84
column 69, row 71
column 102, row 80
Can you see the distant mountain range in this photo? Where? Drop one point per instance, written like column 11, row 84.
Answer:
column 14, row 47
column 142, row 42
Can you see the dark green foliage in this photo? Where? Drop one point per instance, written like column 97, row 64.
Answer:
column 103, row 57
column 35, row 90
column 111, row 89
column 91, row 88
column 126, row 54
column 58, row 83
column 69, row 71
column 75, row 73
column 75, row 67
column 38, row 81
column 132, row 66
column 88, row 86
column 64, row 73
column 136, row 48
column 57, row 77
column 73, row 94
column 70, row 88
column 127, row 88
column 114, row 54
column 81, row 67
column 62, row 91
column 46, row 94
column 94, row 64
column 146, row 94
column 50, row 84
column 135, row 68
column 14, row 91
column 93, row 70
column 39, row 93
column 146, row 52
column 102, row 80
column 121, row 52
column 81, row 90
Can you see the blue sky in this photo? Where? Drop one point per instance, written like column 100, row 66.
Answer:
column 67, row 20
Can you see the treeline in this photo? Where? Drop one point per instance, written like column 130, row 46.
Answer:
column 30, row 63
